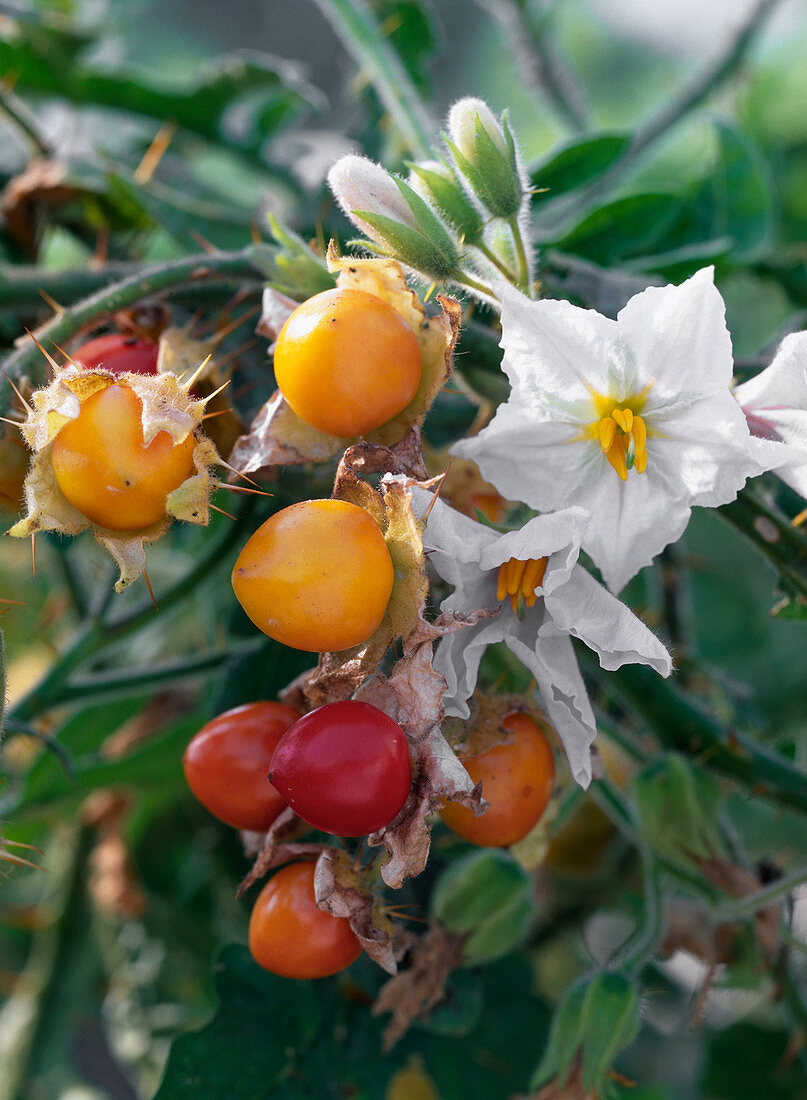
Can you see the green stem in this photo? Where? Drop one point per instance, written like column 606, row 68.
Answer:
column 467, row 280
column 22, row 729
column 539, row 63
column 134, row 680
column 364, row 38
column 495, row 260
column 643, row 943
column 29, row 360
column 521, row 255
column 704, row 83
column 25, row 121
column 679, row 724
column 772, row 533
column 71, row 576
column 22, row 286
column 747, row 906
column 96, row 635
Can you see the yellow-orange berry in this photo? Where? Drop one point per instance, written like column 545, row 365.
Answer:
column 316, row 576
column 347, row 362
column 106, row 471
column 517, row 781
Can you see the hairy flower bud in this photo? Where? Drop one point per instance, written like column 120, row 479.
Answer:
column 438, row 184
column 486, row 155
column 396, row 219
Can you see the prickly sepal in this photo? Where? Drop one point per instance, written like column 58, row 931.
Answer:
column 278, row 437
column 167, row 406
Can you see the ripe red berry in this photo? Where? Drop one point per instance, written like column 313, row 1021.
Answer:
column 344, row 768
column 227, row 763
column 118, row 353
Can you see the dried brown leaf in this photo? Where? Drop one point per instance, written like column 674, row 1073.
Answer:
column 339, row 891
column 413, row 993
column 276, row 847
column 29, row 197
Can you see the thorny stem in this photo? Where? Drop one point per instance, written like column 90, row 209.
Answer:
column 96, row 634
column 747, row 906
column 467, row 280
column 772, row 534
column 23, row 285
column 538, row 62
column 677, row 723
column 116, row 682
column 643, row 943
column 24, row 120
column 29, row 360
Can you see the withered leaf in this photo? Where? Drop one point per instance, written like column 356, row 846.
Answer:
column 276, row 847
column 339, row 891
column 414, row 992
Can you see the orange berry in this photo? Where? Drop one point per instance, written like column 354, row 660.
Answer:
column 290, row 936
column 107, row 472
column 517, row 781
column 316, row 576
column 347, row 362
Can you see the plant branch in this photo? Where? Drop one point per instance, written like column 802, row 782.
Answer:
column 772, row 533
column 752, row 903
column 365, row 40
column 704, row 83
column 133, row 681
column 25, row 121
column 540, row 65
column 677, row 723
column 29, row 360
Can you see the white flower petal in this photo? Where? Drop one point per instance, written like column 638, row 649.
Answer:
column 554, row 352
column 552, row 662
column 631, row 521
column 535, row 460
column 784, row 383
column 457, row 660
column 678, row 339
column 584, row 609
column 449, row 530
column 361, row 184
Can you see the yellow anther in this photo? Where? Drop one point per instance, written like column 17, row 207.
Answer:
column 518, row 580
column 501, row 586
column 533, row 576
column 514, row 575
column 624, row 418
column 639, row 433
column 617, row 457
column 606, row 433
column 640, row 462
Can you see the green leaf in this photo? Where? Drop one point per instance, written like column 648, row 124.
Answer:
column 611, row 1015
column 742, row 195
column 48, row 59
column 576, row 163
column 622, row 227
column 678, row 805
column 409, row 27
column 262, row 1025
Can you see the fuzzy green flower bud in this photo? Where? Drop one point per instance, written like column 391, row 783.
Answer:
column 398, row 221
column 485, row 153
column 439, row 184
column 487, row 897
column 678, row 806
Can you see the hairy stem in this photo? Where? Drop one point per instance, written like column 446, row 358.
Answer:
column 359, row 30
column 28, row 359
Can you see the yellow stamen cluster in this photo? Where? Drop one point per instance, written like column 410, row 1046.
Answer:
column 623, row 438
column 518, row 580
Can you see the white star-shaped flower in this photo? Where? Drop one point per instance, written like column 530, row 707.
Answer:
column 775, row 406
column 632, row 419
column 545, row 597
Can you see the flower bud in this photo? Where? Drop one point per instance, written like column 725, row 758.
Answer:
column 485, row 153
column 438, row 184
column 487, row 897
column 398, row 221
column 678, row 806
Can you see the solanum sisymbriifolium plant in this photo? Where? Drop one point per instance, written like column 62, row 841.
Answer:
column 438, row 707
